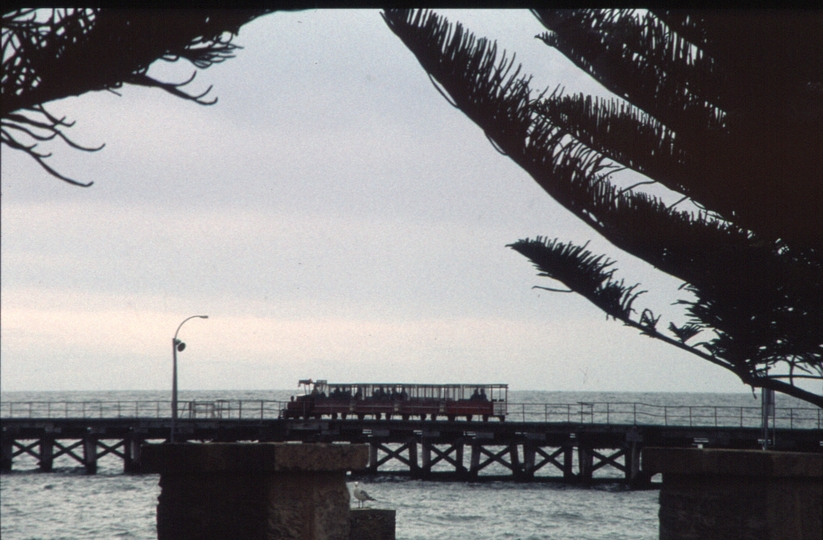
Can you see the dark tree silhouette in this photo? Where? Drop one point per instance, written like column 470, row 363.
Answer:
column 724, row 108
column 53, row 54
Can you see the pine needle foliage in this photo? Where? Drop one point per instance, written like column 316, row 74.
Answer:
column 51, row 54
column 724, row 108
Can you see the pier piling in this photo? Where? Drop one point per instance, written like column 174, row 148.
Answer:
column 6, row 455
column 426, row 454
column 131, row 451
column 46, row 456
column 414, row 468
column 529, row 455
column 585, row 463
column 568, row 463
column 90, row 453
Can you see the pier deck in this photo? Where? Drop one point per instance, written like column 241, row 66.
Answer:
column 547, row 442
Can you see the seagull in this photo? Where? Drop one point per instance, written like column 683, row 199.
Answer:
column 361, row 495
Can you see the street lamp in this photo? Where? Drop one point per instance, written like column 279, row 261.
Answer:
column 177, row 345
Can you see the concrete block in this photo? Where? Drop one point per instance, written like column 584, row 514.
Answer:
column 222, row 491
column 710, row 494
column 372, row 524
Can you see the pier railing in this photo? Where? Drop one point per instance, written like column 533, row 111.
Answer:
column 636, row 413
column 616, row 413
column 217, row 409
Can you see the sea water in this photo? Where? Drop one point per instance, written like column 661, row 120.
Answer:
column 69, row 504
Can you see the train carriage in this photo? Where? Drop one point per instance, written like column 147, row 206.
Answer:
column 401, row 400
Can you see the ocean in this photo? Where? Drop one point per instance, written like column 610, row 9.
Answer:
column 69, row 504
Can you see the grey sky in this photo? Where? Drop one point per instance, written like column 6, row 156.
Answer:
column 333, row 215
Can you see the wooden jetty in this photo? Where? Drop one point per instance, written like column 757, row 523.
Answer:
column 567, row 445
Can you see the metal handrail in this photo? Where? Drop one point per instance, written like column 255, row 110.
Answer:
column 609, row 413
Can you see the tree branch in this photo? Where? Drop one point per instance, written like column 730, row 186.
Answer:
column 73, row 51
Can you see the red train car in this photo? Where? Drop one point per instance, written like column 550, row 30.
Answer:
column 405, row 401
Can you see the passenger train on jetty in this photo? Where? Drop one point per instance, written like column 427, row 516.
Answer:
column 405, row 401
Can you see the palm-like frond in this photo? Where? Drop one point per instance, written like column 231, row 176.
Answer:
column 581, row 271
column 686, row 332
column 53, row 54
column 736, row 95
column 632, row 51
column 757, row 283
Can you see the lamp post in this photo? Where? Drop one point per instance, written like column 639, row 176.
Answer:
column 177, row 345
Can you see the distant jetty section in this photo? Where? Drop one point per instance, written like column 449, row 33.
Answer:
column 536, row 442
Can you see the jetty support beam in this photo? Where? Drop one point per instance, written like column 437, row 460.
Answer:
column 373, row 446
column 90, row 453
column 426, row 457
column 414, row 468
column 529, row 454
column 131, row 454
column 568, row 463
column 585, row 463
column 6, row 454
column 46, row 455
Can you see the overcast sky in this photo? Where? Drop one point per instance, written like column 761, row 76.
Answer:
column 333, row 216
